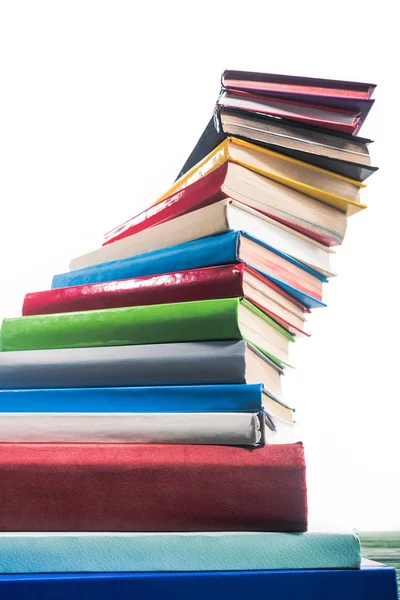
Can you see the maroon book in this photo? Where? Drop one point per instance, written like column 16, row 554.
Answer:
column 143, row 487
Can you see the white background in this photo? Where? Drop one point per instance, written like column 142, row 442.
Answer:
column 101, row 103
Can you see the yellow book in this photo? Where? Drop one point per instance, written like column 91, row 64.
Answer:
column 330, row 188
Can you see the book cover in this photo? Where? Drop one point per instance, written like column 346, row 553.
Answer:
column 152, row 487
column 371, row 582
column 143, row 552
column 215, row 133
column 183, row 286
column 215, row 428
column 146, row 399
column 108, row 366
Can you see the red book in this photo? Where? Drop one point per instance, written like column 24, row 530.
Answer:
column 227, row 281
column 222, row 183
column 134, row 487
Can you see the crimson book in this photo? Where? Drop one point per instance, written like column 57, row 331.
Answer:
column 135, row 487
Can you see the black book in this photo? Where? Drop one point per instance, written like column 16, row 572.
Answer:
column 337, row 152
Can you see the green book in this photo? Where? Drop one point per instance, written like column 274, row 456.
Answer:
column 206, row 320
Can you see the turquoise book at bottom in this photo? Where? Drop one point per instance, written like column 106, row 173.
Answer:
column 144, row 552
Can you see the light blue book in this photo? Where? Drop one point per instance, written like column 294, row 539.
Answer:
column 144, row 552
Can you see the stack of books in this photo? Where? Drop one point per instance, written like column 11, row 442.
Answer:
column 146, row 447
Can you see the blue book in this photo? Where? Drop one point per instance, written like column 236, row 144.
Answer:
column 372, row 582
column 157, row 399
column 220, row 249
column 48, row 552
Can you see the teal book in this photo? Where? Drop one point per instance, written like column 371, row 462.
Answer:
column 144, row 552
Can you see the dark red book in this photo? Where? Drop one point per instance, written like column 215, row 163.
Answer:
column 227, row 281
column 134, row 487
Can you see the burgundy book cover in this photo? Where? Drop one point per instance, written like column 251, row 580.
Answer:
column 184, row 286
column 152, row 487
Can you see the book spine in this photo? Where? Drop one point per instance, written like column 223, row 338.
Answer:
column 140, row 487
column 229, row 428
column 183, row 286
column 201, row 223
column 150, row 364
column 215, row 250
column 208, row 320
column 146, row 399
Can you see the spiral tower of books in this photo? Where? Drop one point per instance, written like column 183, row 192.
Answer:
column 146, row 448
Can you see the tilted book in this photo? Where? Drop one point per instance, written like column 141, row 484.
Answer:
column 141, row 487
column 340, row 153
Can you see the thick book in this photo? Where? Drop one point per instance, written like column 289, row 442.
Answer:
column 344, row 154
column 372, row 582
column 287, row 220
column 228, row 248
column 142, row 552
column 216, row 218
column 213, row 428
column 149, row 364
column 141, row 487
column 327, row 187
column 206, row 320
column 328, row 117
column 227, row 281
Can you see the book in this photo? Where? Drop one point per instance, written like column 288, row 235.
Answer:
column 206, row 320
column 149, row 364
column 211, row 251
column 327, row 187
column 371, row 582
column 349, row 95
column 152, row 399
column 329, row 117
column 147, row 399
column 227, row 281
column 152, row 487
column 277, row 215
column 340, row 153
column 228, row 428
column 47, row 552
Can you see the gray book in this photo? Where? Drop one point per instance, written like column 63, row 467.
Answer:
column 152, row 364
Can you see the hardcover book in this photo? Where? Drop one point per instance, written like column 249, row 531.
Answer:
column 141, row 487
column 372, row 582
column 149, row 364
column 344, row 154
column 141, row 552
column 207, row 320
